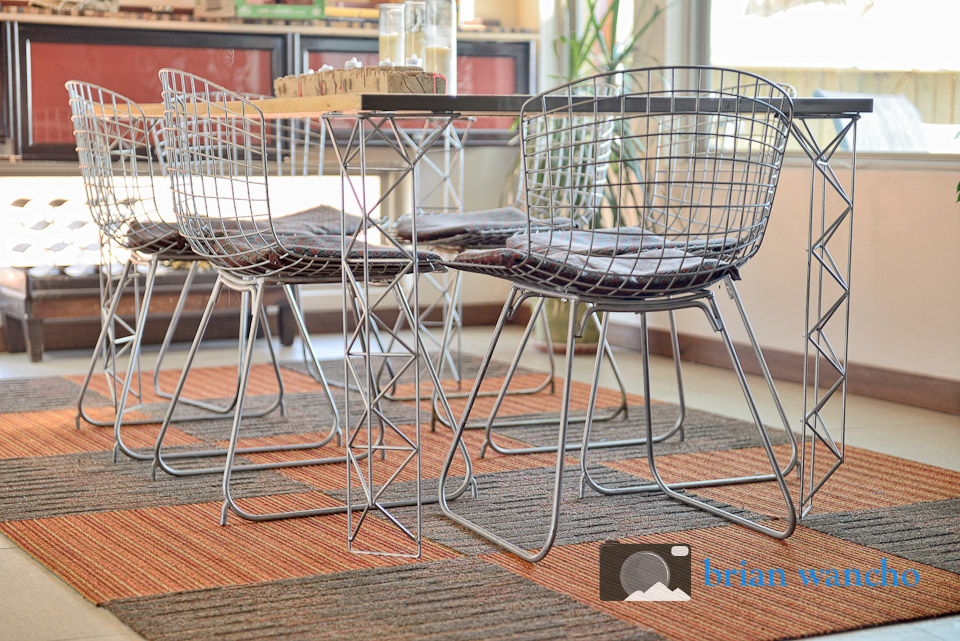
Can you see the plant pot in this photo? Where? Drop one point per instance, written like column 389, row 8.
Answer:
column 558, row 315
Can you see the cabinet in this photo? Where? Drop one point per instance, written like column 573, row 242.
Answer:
column 40, row 56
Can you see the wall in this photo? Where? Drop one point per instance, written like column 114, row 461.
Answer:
column 905, row 311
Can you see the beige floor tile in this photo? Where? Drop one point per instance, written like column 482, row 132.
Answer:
column 6, row 543
column 942, row 629
column 40, row 607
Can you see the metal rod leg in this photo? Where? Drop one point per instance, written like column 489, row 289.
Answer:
column 561, row 452
column 675, row 344
column 134, row 358
column 168, row 338
column 604, row 349
column 294, row 301
column 158, row 456
column 764, row 437
column 587, row 479
column 105, row 329
column 238, row 412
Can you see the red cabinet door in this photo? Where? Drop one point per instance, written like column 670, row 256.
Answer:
column 127, row 62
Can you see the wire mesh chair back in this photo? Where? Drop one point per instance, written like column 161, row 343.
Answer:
column 567, row 162
column 116, row 162
column 297, row 144
column 696, row 155
column 219, row 153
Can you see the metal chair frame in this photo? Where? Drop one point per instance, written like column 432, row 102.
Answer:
column 219, row 152
column 116, row 162
column 588, row 187
column 712, row 143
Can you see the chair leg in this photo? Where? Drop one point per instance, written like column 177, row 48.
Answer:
column 587, row 445
column 560, row 449
column 681, row 400
column 293, row 299
column 671, row 489
column 764, row 438
column 603, row 350
column 230, row 504
column 238, row 411
column 215, row 411
column 134, row 362
column 158, row 456
column 534, row 389
column 168, row 338
column 105, row 331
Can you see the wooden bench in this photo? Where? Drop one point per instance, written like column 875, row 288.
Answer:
column 29, row 301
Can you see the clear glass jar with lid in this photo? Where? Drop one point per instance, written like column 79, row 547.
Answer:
column 391, row 33
column 415, row 23
column 442, row 41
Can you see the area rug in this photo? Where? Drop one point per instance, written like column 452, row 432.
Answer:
column 154, row 554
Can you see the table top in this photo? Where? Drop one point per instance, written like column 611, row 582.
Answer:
column 504, row 105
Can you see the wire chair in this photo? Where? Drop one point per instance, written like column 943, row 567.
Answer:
column 219, row 146
column 699, row 155
column 456, row 233
column 115, row 157
column 296, row 149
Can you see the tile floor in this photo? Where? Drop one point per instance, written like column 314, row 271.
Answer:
column 36, row 606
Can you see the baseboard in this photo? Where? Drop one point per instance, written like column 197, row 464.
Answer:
column 928, row 392
column 331, row 321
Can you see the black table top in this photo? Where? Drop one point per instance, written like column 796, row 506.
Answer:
column 511, row 104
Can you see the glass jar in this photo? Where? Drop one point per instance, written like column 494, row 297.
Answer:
column 415, row 23
column 391, row 33
column 441, row 51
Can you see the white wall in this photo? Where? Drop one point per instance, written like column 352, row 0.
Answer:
column 905, row 312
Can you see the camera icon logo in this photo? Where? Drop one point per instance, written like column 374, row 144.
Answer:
column 644, row 572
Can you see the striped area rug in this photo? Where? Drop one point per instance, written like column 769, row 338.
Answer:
column 154, row 554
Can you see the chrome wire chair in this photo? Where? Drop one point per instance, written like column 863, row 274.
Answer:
column 700, row 151
column 115, row 155
column 457, row 233
column 219, row 146
column 296, row 150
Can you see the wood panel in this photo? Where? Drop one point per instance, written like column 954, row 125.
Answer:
column 933, row 393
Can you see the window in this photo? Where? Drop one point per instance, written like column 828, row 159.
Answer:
column 901, row 52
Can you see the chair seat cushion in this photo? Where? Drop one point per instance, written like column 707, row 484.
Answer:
column 474, row 230
column 503, row 222
column 618, row 241
column 165, row 238
column 322, row 220
column 313, row 256
column 150, row 237
column 651, row 272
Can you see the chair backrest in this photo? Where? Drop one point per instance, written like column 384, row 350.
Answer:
column 696, row 157
column 219, row 153
column 116, row 162
column 571, row 150
column 297, row 149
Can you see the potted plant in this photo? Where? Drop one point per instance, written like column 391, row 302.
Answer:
column 594, row 45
